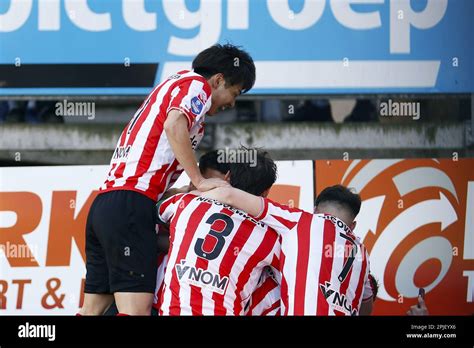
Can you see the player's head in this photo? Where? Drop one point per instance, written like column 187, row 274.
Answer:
column 211, row 167
column 340, row 202
column 229, row 70
column 255, row 176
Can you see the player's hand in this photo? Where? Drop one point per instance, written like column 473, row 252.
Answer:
column 418, row 309
column 209, row 184
column 216, row 194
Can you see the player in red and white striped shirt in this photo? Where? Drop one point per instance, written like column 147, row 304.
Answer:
column 152, row 151
column 217, row 252
column 210, row 167
column 324, row 265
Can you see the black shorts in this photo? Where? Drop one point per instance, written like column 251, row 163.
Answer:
column 121, row 244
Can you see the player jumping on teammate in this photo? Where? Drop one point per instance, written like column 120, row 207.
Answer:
column 152, row 151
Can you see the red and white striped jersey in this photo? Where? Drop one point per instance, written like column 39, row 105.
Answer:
column 143, row 160
column 216, row 256
column 265, row 299
column 324, row 265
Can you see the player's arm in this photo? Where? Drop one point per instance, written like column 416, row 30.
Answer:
column 176, row 128
column 369, row 295
column 239, row 199
column 163, row 239
column 166, row 208
column 366, row 307
column 261, row 208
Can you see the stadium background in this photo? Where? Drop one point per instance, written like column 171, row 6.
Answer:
column 325, row 73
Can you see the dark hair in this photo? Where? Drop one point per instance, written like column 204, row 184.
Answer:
column 209, row 161
column 254, row 178
column 342, row 195
column 233, row 62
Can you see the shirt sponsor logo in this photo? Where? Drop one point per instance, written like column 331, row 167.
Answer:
column 121, row 152
column 196, row 106
column 201, row 277
column 338, row 301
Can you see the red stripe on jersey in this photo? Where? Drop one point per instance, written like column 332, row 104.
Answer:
column 272, row 308
column 193, row 222
column 275, row 261
column 262, row 251
column 360, row 285
column 288, row 224
column 329, row 236
column 261, row 292
column 304, row 240
column 240, row 238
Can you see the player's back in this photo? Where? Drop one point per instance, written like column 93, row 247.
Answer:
column 216, row 257
column 324, row 265
column 330, row 268
column 143, row 159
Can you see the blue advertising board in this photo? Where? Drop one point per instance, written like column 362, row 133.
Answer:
column 125, row 47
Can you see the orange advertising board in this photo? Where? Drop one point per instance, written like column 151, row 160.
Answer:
column 417, row 221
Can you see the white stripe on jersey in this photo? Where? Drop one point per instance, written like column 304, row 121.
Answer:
column 290, row 266
column 316, row 253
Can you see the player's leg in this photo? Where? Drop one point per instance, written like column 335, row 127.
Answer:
column 96, row 304
column 132, row 252
column 134, row 303
column 97, row 297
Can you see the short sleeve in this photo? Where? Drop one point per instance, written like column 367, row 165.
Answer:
column 191, row 96
column 167, row 208
column 278, row 216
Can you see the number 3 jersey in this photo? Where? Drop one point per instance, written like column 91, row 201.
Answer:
column 216, row 256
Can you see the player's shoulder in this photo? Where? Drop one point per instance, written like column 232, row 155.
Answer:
column 186, row 77
column 286, row 207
